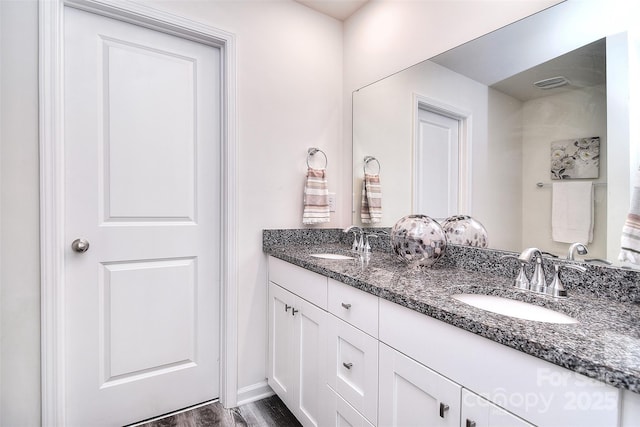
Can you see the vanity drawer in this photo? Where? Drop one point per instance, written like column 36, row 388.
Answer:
column 304, row 283
column 354, row 306
column 342, row 414
column 353, row 366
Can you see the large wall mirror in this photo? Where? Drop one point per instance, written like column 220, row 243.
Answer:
column 470, row 132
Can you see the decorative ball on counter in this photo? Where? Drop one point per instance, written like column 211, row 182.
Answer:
column 418, row 240
column 464, row 230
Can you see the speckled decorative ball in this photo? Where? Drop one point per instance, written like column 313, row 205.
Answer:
column 464, row 230
column 418, row 240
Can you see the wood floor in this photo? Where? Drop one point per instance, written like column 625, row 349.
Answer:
column 263, row 413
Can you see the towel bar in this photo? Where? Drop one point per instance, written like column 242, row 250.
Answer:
column 312, row 151
column 546, row 184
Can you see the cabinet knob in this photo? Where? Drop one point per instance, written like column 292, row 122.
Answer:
column 347, row 306
column 287, row 307
column 470, row 423
column 294, row 311
column 443, row 408
column 347, row 365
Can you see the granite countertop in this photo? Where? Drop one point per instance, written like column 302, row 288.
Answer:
column 604, row 345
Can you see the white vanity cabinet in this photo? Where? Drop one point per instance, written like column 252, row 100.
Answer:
column 413, row 395
column 298, row 341
column 339, row 356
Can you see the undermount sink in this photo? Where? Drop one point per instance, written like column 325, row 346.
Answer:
column 331, row 256
column 514, row 308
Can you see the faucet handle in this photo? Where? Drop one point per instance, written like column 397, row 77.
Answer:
column 357, row 245
column 367, row 247
column 556, row 288
column 521, row 281
column 578, row 248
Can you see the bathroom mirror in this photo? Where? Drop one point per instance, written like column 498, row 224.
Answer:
column 505, row 127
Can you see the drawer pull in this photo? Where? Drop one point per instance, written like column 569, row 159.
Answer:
column 347, row 365
column 347, row 306
column 294, row 311
column 470, row 423
column 443, row 408
column 287, row 307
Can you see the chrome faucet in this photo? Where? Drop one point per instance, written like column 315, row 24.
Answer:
column 578, row 248
column 537, row 281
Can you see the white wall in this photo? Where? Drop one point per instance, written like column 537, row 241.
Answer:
column 576, row 114
column 19, row 221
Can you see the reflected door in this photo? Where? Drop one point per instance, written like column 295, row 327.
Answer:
column 142, row 162
column 436, row 164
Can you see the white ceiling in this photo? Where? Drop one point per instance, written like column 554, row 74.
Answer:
column 584, row 67
column 339, row 9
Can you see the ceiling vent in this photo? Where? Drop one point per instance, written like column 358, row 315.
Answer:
column 552, row 82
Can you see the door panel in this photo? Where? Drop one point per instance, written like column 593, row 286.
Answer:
column 135, row 339
column 282, row 358
column 311, row 349
column 142, row 183
column 152, row 151
column 411, row 394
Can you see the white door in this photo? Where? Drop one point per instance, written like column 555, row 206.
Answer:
column 437, row 164
column 413, row 395
column 142, row 166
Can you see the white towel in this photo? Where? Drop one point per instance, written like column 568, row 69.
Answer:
column 316, row 197
column 572, row 212
column 630, row 240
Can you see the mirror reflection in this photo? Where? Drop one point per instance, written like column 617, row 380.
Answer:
column 455, row 136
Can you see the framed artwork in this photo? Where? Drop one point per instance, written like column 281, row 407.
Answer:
column 575, row 158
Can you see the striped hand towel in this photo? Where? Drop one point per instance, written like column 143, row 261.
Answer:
column 630, row 241
column 316, row 197
column 371, row 209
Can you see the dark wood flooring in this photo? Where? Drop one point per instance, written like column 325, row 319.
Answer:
column 263, row 413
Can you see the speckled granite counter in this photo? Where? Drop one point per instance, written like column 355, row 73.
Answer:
column 604, row 345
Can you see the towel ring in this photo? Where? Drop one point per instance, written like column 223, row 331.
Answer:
column 312, row 151
column 368, row 159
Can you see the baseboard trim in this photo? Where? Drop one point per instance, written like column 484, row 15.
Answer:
column 254, row 392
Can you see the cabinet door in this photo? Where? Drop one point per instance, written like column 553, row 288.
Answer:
column 353, row 366
column 413, row 395
column 281, row 371
column 341, row 414
column 311, row 349
column 479, row 412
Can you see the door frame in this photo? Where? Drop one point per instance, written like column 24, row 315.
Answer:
column 52, row 243
column 464, row 118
